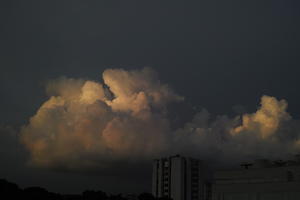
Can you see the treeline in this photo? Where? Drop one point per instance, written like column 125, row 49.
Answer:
column 10, row 190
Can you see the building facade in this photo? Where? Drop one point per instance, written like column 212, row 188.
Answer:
column 261, row 180
column 180, row 178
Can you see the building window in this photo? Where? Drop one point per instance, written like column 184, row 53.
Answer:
column 166, row 164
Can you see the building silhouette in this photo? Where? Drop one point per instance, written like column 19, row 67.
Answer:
column 180, row 178
column 260, row 180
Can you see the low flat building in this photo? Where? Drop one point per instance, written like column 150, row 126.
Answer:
column 262, row 180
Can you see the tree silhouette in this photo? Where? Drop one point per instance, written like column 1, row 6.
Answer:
column 117, row 197
column 146, row 196
column 94, row 195
column 12, row 191
column 8, row 189
column 39, row 193
column 165, row 198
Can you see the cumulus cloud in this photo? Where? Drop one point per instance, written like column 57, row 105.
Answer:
column 270, row 132
column 137, row 91
column 80, row 126
column 267, row 119
column 86, row 124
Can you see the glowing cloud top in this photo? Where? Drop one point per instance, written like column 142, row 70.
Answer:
column 86, row 124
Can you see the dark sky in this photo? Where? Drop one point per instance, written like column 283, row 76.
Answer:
column 216, row 53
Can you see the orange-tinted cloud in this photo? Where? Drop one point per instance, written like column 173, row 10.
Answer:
column 267, row 119
column 270, row 132
column 88, row 124
column 80, row 125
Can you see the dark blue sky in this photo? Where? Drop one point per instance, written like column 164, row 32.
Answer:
column 216, row 53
